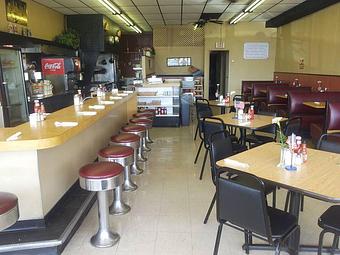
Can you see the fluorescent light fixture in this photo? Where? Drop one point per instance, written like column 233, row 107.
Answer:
column 122, row 19
column 137, row 30
column 128, row 21
column 110, row 6
column 253, row 5
column 239, row 17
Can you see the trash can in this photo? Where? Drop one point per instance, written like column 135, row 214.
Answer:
column 186, row 103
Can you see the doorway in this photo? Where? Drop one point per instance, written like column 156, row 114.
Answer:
column 218, row 73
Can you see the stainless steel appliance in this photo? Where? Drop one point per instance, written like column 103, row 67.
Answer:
column 106, row 69
column 13, row 108
column 63, row 72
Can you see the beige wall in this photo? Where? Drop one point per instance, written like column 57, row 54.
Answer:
column 162, row 53
column 44, row 23
column 316, row 39
column 234, row 38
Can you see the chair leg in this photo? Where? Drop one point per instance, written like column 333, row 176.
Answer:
column 287, row 201
column 302, row 202
column 335, row 244
column 278, row 248
column 246, row 241
column 274, row 198
column 196, row 132
column 218, row 238
column 198, row 152
column 210, row 208
column 203, row 164
column 321, row 241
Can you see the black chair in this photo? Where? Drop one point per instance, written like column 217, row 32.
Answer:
column 236, row 98
column 293, row 125
column 255, row 139
column 203, row 111
column 201, row 105
column 329, row 220
column 222, row 147
column 241, row 204
column 210, row 125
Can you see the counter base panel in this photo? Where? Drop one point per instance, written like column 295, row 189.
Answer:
column 166, row 122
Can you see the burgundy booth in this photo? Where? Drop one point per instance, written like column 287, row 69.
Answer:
column 258, row 96
column 247, row 88
column 308, row 114
column 278, row 104
column 331, row 123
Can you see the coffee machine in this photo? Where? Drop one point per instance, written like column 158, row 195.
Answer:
column 63, row 72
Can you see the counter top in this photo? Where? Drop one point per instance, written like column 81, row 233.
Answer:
column 163, row 85
column 44, row 134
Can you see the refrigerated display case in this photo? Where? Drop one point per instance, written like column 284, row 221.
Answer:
column 13, row 109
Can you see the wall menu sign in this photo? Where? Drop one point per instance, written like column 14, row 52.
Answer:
column 256, row 50
column 16, row 11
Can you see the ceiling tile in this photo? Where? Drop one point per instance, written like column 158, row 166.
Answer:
column 172, row 16
column 145, row 2
column 122, row 3
column 171, row 8
column 216, row 8
column 68, row 3
column 65, row 11
column 82, row 10
column 193, row 8
column 149, row 9
column 48, row 3
column 194, row 2
column 167, row 2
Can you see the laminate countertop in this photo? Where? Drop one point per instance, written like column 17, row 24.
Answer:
column 45, row 134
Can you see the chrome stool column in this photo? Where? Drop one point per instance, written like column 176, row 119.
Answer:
column 9, row 211
column 147, row 123
column 141, row 132
column 130, row 140
column 102, row 177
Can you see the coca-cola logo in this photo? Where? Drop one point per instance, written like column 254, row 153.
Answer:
column 52, row 66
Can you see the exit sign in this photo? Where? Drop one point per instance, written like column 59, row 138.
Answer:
column 219, row 45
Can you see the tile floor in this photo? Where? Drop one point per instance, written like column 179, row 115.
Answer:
column 169, row 206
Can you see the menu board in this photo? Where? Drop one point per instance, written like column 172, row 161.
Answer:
column 256, row 50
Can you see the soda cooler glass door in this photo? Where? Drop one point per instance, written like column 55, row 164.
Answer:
column 13, row 94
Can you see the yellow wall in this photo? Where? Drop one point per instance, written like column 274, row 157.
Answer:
column 44, row 23
column 234, row 38
column 314, row 38
column 162, row 53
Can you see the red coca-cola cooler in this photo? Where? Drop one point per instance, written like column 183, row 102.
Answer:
column 63, row 72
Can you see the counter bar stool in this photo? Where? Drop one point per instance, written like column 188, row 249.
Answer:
column 141, row 132
column 144, row 115
column 102, row 177
column 130, row 140
column 9, row 212
column 146, row 123
column 153, row 111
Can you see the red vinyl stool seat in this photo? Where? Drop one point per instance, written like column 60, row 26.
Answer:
column 131, row 140
column 146, row 123
column 116, row 152
column 141, row 132
column 153, row 111
column 9, row 212
column 102, row 177
column 144, row 115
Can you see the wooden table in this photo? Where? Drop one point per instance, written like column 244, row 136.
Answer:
column 317, row 105
column 223, row 106
column 264, row 91
column 318, row 178
column 259, row 121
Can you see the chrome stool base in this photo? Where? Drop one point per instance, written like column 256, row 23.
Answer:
column 145, row 145
column 128, row 185
column 148, row 139
column 136, row 170
column 104, row 239
column 118, row 207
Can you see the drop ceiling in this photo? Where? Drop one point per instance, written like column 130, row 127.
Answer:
column 149, row 13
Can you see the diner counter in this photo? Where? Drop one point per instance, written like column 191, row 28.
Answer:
column 43, row 164
column 44, row 134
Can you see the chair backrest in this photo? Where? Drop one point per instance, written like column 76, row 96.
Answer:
column 329, row 142
column 332, row 116
column 211, row 125
column 271, row 128
column 293, row 126
column 201, row 105
column 220, row 148
column 241, row 202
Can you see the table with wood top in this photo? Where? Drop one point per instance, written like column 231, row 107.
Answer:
column 318, row 178
column 222, row 105
column 259, row 121
column 317, row 105
column 282, row 96
column 264, row 91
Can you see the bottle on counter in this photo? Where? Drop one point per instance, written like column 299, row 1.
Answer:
column 276, row 79
column 76, row 99
column 227, row 98
column 36, row 106
column 304, row 151
column 42, row 111
column 99, row 91
column 251, row 112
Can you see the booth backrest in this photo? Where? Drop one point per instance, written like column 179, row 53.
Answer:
column 257, row 87
column 309, row 115
column 333, row 116
column 247, row 85
column 274, row 91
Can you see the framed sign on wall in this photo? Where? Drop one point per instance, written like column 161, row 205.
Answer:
column 256, row 50
column 16, row 11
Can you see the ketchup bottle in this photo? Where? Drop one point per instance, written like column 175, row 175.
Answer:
column 251, row 112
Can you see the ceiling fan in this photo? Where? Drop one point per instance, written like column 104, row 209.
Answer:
column 208, row 17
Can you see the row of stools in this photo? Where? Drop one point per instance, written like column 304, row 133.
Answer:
column 116, row 163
